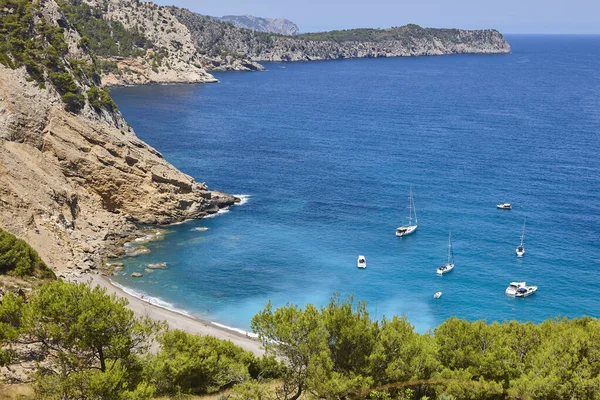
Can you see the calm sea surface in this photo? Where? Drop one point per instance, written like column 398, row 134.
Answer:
column 327, row 151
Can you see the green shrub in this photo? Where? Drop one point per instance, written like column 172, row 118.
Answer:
column 100, row 99
column 19, row 259
column 74, row 102
column 192, row 364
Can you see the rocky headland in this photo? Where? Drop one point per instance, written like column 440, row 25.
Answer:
column 408, row 40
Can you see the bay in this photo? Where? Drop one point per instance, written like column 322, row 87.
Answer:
column 326, row 152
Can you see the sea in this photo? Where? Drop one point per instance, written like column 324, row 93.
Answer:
column 323, row 155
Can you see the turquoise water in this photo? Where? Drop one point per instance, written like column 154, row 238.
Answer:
column 327, row 151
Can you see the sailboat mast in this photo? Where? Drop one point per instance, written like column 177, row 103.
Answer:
column 412, row 199
column 450, row 253
column 523, row 234
column 410, row 206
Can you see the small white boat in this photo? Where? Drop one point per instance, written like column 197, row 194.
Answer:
column 512, row 289
column 444, row 269
column 521, row 249
column 504, row 206
column 410, row 228
column 437, row 295
column 526, row 291
column 361, row 262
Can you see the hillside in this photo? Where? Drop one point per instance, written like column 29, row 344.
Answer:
column 280, row 26
column 74, row 178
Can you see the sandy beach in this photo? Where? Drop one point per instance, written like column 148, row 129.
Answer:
column 175, row 320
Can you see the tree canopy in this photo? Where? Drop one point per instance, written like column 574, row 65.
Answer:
column 339, row 352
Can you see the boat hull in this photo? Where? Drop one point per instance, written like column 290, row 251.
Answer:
column 361, row 263
column 445, row 269
column 529, row 292
column 406, row 230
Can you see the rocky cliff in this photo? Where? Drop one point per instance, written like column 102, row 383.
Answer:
column 74, row 178
column 409, row 40
column 141, row 42
column 280, row 26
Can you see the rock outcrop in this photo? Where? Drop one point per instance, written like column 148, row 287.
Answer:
column 280, row 26
column 73, row 184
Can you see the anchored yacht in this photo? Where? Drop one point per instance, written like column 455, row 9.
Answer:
column 504, row 206
column 444, row 269
column 521, row 249
column 410, row 228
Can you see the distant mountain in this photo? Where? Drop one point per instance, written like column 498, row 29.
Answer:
column 270, row 25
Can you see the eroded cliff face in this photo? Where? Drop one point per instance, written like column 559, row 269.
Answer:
column 74, row 184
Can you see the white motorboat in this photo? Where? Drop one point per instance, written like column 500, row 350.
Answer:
column 511, row 290
column 437, row 295
column 410, row 228
column 361, row 262
column 444, row 269
column 504, row 206
column 526, row 291
column 521, row 249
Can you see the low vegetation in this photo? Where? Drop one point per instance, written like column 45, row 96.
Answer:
column 86, row 344
column 339, row 352
column 19, row 259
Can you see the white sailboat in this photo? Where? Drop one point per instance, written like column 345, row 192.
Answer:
column 410, row 228
column 521, row 249
column 444, row 269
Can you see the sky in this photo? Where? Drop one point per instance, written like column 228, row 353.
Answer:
column 508, row 16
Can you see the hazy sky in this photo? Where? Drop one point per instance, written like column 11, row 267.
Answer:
column 509, row 16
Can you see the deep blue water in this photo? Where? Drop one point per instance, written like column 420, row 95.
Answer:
column 327, row 151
